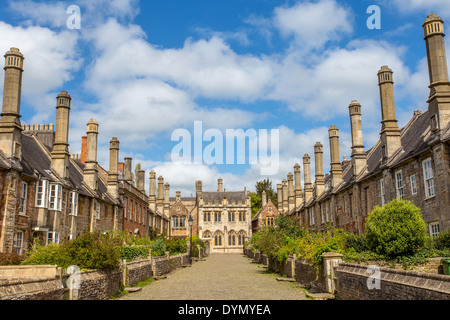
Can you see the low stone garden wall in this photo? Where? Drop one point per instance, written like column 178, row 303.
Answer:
column 349, row 281
column 51, row 283
column 352, row 284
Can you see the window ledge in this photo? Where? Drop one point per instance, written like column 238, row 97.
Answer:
column 432, row 197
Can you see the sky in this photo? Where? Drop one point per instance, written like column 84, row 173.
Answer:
column 146, row 70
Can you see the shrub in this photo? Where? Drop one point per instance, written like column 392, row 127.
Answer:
column 177, row 246
column 94, row 251
column 159, row 247
column 290, row 226
column 131, row 253
column 395, row 229
column 52, row 254
column 442, row 241
column 10, row 259
column 355, row 243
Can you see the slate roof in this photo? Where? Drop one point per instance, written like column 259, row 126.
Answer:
column 218, row 196
column 36, row 161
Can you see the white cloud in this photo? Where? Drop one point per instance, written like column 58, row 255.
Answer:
column 314, row 23
column 441, row 7
column 50, row 60
column 324, row 90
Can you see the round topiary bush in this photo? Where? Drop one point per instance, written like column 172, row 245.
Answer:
column 395, row 229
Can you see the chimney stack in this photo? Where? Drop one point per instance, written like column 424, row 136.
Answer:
column 439, row 99
column 220, row 185
column 298, row 186
column 291, row 197
column 263, row 199
column 83, row 149
column 166, row 199
column 60, row 153
column 307, row 177
column 285, row 196
column 390, row 133
column 198, row 187
column 90, row 175
column 10, row 127
column 127, row 173
column 320, row 181
column 113, row 175
column 359, row 156
column 152, row 191
column 280, row 197
column 141, row 181
column 160, row 199
column 336, row 168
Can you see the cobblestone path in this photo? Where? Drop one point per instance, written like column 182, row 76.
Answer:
column 220, row 277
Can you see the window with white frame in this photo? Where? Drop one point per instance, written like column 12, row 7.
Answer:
column 321, row 213
column 413, row 183
column 327, row 217
column 73, row 203
column 19, row 242
column 52, row 237
column 23, row 198
column 345, row 202
column 97, row 209
column 399, row 185
column 428, row 178
column 382, row 192
column 311, row 216
column 434, row 228
column 55, row 198
column 42, row 194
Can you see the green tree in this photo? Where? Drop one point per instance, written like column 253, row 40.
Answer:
column 395, row 229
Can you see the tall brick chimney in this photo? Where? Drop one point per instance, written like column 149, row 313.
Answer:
column 220, row 185
column 280, row 197
column 152, row 191
column 141, row 181
column 285, row 196
column 359, row 156
column 83, row 149
column 318, row 156
column 10, row 127
column 60, row 153
column 113, row 175
column 298, row 186
column 307, row 177
column 439, row 99
column 90, row 175
column 291, row 194
column 336, row 168
column 127, row 173
column 263, row 199
column 390, row 133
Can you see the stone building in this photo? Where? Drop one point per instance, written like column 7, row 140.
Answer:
column 45, row 193
column 410, row 163
column 223, row 218
column 266, row 216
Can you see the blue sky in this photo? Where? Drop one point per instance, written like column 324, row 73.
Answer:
column 146, row 68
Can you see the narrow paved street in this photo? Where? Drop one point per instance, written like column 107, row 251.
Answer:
column 220, row 277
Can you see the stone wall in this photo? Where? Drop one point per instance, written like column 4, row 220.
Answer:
column 31, row 283
column 309, row 277
column 138, row 271
column 98, row 285
column 394, row 284
column 32, row 289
